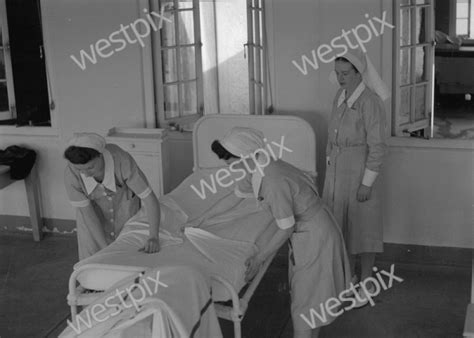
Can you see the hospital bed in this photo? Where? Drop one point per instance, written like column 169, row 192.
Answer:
column 297, row 136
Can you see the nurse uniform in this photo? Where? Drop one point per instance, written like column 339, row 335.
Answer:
column 115, row 200
column 318, row 263
column 355, row 152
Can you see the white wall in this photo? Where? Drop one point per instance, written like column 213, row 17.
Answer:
column 429, row 191
column 104, row 95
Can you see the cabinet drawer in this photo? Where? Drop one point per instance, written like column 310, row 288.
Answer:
column 137, row 145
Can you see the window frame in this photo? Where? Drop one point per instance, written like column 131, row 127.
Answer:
column 157, row 50
column 26, row 130
column 5, row 49
column 469, row 18
column 399, row 129
column 257, row 50
column 387, row 62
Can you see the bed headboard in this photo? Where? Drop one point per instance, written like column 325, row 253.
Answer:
column 298, row 137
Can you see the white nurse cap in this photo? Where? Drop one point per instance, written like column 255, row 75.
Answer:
column 87, row 140
column 370, row 76
column 242, row 141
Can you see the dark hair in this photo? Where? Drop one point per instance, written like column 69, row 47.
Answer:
column 340, row 58
column 80, row 155
column 220, row 151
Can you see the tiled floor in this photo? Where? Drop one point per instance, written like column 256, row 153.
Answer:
column 430, row 302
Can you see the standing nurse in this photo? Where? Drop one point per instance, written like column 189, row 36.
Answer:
column 106, row 186
column 319, row 267
column 355, row 152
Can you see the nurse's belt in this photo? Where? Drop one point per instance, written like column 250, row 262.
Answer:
column 109, row 175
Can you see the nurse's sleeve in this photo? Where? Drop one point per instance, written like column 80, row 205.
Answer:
column 133, row 177
column 277, row 194
column 373, row 114
column 74, row 191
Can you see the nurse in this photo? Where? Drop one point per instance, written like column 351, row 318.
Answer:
column 319, row 267
column 355, row 152
column 106, row 187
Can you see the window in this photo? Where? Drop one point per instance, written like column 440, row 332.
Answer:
column 179, row 63
column 413, row 69
column 7, row 99
column 464, row 13
column 24, row 95
column 257, row 56
column 200, row 59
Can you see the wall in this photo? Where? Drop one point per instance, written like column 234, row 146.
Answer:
column 104, row 95
column 428, row 191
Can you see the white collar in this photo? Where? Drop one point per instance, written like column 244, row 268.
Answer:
column 256, row 183
column 109, row 175
column 355, row 95
column 257, row 177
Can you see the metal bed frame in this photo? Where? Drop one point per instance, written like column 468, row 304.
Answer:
column 235, row 313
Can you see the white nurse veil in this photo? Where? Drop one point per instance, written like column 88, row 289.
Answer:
column 370, row 76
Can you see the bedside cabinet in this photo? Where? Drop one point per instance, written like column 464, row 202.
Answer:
column 164, row 157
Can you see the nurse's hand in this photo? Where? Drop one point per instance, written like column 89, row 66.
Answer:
column 151, row 246
column 363, row 194
column 253, row 265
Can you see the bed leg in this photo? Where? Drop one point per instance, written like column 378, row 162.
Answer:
column 237, row 329
column 73, row 312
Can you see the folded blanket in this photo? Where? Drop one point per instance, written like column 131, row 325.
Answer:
column 183, row 302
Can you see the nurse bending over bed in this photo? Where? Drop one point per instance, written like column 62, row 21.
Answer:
column 319, row 266
column 106, row 186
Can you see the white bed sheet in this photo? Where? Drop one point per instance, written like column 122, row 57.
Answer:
column 239, row 229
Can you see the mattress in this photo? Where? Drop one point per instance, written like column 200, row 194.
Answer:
column 220, row 246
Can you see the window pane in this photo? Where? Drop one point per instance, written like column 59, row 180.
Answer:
column 461, row 26
column 171, row 101
column 405, row 36
column 462, row 7
column 420, row 25
column 189, row 98
column 420, row 102
column 170, row 72
column 3, row 97
column 421, row 65
column 186, row 27
column 168, row 33
column 187, row 63
column 405, row 105
column 2, row 65
column 185, row 4
column 405, row 62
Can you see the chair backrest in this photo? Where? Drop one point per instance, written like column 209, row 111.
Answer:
column 297, row 134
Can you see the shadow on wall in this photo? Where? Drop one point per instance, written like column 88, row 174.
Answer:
column 318, row 121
